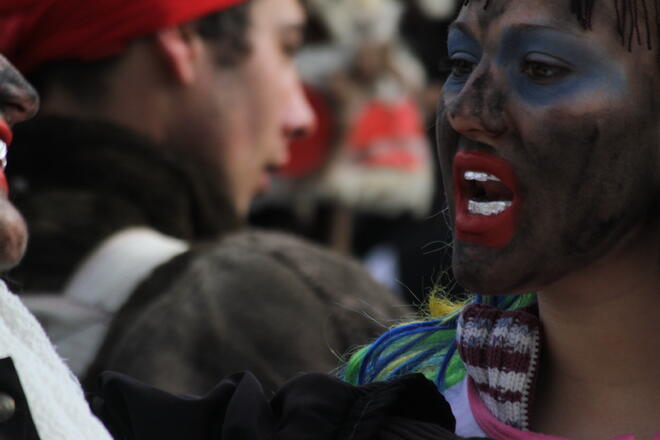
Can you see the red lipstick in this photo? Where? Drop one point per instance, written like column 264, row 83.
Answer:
column 495, row 230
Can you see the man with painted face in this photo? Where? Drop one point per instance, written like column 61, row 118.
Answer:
column 549, row 139
column 161, row 119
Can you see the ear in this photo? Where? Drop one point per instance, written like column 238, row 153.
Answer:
column 179, row 47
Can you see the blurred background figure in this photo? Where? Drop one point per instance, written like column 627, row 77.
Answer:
column 365, row 183
column 161, row 120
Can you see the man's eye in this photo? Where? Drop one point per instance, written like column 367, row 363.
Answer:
column 460, row 67
column 290, row 49
column 543, row 72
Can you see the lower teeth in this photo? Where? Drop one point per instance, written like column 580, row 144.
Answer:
column 487, row 208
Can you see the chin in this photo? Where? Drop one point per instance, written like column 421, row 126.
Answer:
column 485, row 283
column 13, row 235
column 492, row 271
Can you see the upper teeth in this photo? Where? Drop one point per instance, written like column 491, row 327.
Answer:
column 480, row 176
column 3, row 154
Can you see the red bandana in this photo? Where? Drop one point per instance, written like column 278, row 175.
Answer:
column 33, row 32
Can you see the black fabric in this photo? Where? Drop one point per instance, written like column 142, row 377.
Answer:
column 312, row 406
column 77, row 182
column 21, row 425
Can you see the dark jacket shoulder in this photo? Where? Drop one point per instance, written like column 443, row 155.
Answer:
column 313, row 406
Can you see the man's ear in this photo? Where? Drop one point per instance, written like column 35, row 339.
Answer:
column 180, row 48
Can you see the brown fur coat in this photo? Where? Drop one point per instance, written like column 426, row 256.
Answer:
column 261, row 301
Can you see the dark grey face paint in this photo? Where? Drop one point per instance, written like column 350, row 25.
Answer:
column 577, row 118
column 19, row 99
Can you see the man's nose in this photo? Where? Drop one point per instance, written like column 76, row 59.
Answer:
column 18, row 99
column 477, row 111
column 300, row 119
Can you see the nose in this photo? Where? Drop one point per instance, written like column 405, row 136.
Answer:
column 477, row 111
column 18, row 99
column 299, row 119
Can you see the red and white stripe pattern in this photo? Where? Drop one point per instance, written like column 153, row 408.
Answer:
column 500, row 350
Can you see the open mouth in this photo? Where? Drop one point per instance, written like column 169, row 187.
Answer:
column 486, row 199
column 485, row 193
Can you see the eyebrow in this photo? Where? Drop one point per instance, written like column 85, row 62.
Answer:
column 292, row 35
column 292, row 29
column 292, row 26
column 553, row 25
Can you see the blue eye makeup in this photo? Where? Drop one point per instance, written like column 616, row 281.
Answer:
column 464, row 54
column 543, row 65
column 546, row 65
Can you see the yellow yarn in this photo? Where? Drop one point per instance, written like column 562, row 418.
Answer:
column 441, row 306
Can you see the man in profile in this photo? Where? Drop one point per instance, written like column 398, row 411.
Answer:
column 160, row 121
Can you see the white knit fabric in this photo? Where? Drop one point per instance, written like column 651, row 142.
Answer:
column 57, row 403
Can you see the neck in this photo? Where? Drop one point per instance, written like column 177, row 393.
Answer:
column 601, row 348
column 131, row 114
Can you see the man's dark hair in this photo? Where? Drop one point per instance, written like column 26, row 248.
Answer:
column 226, row 29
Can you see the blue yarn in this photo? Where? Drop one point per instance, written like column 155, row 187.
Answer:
column 428, row 347
column 440, row 379
column 382, row 343
column 412, row 364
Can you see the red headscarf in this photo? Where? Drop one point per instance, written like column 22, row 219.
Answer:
column 33, row 32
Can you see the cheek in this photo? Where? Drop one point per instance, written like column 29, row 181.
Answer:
column 13, row 235
column 446, row 141
column 564, row 141
column 265, row 75
column 593, row 170
column 556, row 145
column 263, row 103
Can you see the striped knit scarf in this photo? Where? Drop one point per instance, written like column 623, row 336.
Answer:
column 500, row 350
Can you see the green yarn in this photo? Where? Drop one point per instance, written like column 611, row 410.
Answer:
column 427, row 346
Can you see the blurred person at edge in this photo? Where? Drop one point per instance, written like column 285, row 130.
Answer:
column 39, row 398
column 160, row 121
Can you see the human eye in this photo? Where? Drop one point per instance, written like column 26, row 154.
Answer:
column 461, row 65
column 291, row 50
column 544, row 69
column 291, row 40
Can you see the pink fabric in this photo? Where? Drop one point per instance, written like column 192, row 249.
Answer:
column 499, row 431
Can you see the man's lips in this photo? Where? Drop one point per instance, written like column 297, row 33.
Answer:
column 486, row 199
